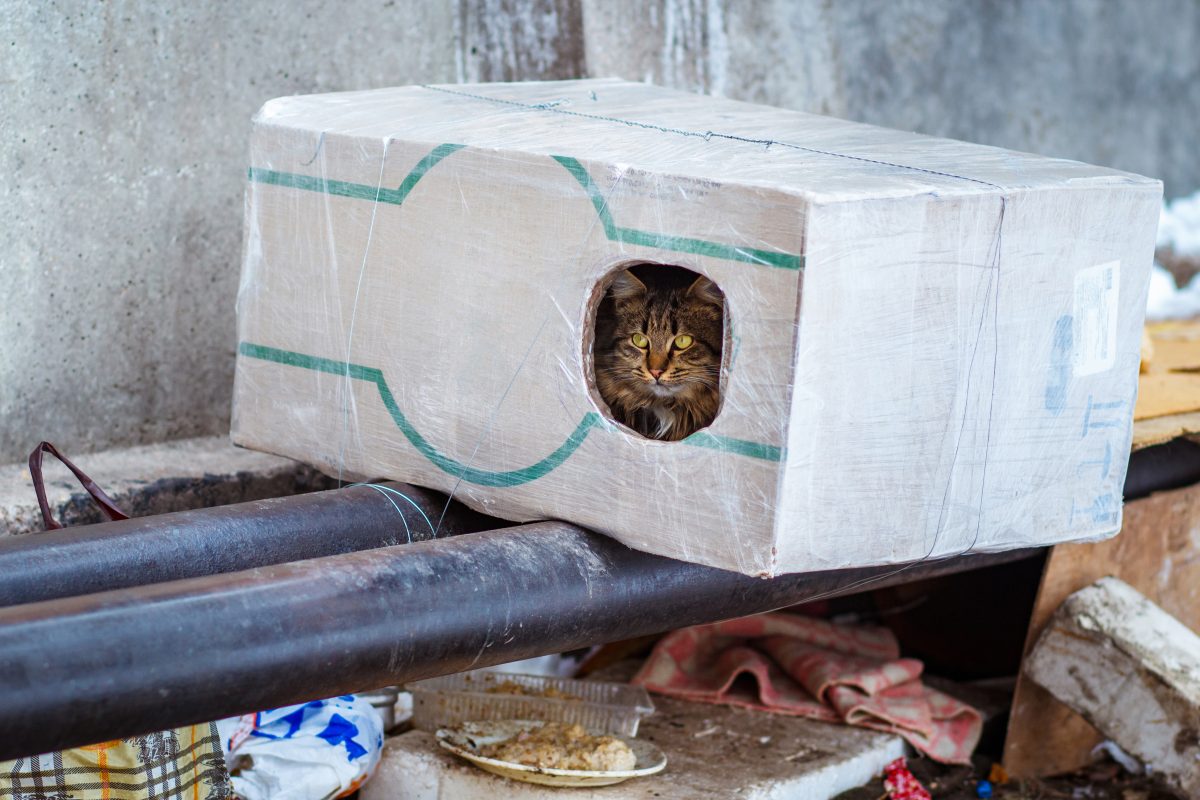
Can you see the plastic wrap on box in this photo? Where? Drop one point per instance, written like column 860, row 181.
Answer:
column 932, row 346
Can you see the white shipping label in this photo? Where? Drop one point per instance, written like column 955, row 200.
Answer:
column 1095, row 315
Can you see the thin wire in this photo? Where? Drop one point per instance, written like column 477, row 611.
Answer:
column 487, row 428
column 407, row 532
column 354, row 310
column 389, row 490
column 995, row 266
column 512, row 381
column 553, row 108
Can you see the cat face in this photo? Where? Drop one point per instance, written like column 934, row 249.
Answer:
column 658, row 352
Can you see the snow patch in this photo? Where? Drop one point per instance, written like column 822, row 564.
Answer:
column 1179, row 225
column 1178, row 230
column 1166, row 301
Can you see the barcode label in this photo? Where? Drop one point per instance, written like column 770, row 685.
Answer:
column 1095, row 326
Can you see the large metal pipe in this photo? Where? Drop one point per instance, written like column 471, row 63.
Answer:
column 94, row 667
column 189, row 544
column 210, row 541
column 102, row 666
column 1172, row 465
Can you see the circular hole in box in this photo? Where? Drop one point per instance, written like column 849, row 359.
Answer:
column 652, row 304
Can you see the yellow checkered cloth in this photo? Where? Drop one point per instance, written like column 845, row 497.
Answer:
column 181, row 764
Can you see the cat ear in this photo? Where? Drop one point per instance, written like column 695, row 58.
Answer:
column 626, row 286
column 705, row 291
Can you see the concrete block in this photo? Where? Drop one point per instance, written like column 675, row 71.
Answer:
column 1133, row 671
column 713, row 753
column 155, row 479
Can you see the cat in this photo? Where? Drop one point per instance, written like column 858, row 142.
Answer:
column 659, row 336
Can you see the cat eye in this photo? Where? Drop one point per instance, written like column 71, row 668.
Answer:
column 640, row 340
column 683, row 341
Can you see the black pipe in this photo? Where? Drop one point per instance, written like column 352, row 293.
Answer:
column 98, row 667
column 90, row 668
column 1172, row 465
column 211, row 541
column 189, row 544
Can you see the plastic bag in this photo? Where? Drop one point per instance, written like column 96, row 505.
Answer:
column 312, row 751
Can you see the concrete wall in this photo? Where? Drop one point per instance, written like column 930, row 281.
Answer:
column 125, row 125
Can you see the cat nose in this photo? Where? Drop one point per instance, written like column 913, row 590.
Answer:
column 656, row 373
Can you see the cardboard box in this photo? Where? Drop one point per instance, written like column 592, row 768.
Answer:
column 932, row 345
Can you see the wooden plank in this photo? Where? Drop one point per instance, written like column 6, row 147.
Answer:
column 1168, row 403
column 1164, row 393
column 1160, row 430
column 1175, row 347
column 1158, row 553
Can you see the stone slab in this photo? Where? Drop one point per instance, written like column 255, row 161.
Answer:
column 713, row 752
column 152, row 479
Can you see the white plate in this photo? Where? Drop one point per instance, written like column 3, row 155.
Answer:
column 466, row 739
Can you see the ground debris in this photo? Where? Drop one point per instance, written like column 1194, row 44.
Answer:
column 1104, row 780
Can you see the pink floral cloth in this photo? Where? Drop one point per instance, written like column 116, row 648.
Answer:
column 812, row 668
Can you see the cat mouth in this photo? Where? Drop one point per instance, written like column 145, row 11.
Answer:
column 662, row 389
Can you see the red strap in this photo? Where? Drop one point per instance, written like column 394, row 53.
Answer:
column 107, row 506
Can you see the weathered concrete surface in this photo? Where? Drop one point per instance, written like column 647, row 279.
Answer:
column 713, row 753
column 125, row 128
column 514, row 40
column 1112, row 83
column 156, row 479
column 125, row 131
column 1133, row 671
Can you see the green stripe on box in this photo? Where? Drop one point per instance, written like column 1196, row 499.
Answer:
column 660, row 241
column 741, row 447
column 356, row 191
column 466, row 472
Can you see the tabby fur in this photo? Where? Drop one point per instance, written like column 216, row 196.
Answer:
column 661, row 304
